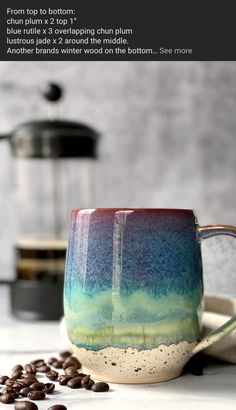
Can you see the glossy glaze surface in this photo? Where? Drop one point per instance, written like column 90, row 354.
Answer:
column 133, row 278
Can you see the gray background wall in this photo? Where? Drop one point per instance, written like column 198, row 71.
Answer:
column 168, row 140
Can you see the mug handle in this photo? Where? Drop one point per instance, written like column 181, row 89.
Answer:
column 206, row 232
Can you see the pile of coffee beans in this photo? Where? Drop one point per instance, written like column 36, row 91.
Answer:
column 23, row 382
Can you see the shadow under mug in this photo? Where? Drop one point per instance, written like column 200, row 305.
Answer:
column 133, row 292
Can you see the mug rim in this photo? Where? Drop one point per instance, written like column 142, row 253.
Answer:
column 134, row 209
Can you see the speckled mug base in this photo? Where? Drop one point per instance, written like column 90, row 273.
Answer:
column 129, row 365
column 126, row 380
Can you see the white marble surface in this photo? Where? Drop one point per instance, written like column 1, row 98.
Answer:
column 21, row 342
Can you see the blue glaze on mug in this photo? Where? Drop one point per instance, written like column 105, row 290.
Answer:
column 133, row 278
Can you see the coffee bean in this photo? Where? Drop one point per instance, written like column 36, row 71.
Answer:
column 28, row 381
column 30, row 368
column 51, row 360
column 71, row 371
column 36, row 395
column 87, row 383
column 25, row 405
column 57, row 364
column 17, row 374
column 49, row 388
column 37, row 386
column 74, row 383
column 24, row 391
column 100, row 387
column 17, row 367
column 38, row 362
column 7, row 398
column 3, row 379
column 64, row 355
column 43, row 369
column 196, row 371
column 196, row 365
column 63, row 379
column 18, row 385
column 10, row 381
column 72, row 361
column 10, row 390
column 52, row 375
column 30, row 376
column 57, row 407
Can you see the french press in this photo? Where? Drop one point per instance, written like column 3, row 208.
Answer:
column 55, row 171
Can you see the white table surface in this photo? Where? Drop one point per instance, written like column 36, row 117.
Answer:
column 21, row 342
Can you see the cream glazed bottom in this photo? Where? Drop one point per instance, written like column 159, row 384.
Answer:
column 117, row 365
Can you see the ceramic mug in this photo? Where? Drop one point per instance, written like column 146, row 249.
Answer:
column 133, row 292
